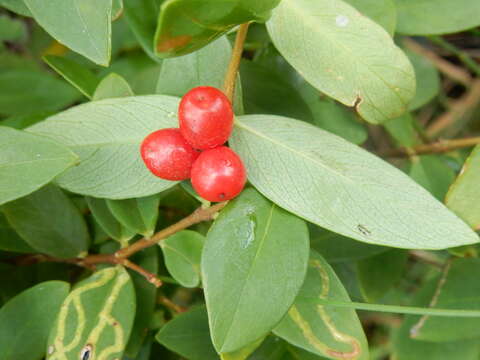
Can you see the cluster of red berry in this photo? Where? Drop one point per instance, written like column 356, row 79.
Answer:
column 196, row 150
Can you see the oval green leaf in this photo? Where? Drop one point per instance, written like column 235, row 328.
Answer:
column 139, row 215
column 112, row 86
column 49, row 222
column 188, row 335
column 185, row 26
column 106, row 135
column 26, row 320
column 307, row 33
column 383, row 12
column 182, row 253
column 28, row 162
column 325, row 331
column 82, row 25
column 10, row 240
column 341, row 187
column 96, row 318
column 109, row 223
column 76, row 74
column 463, row 198
column 22, row 92
column 429, row 17
column 253, row 265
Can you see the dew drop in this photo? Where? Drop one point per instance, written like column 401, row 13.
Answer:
column 50, row 350
column 342, row 20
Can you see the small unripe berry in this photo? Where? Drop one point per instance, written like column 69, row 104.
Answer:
column 168, row 155
column 206, row 117
column 218, row 174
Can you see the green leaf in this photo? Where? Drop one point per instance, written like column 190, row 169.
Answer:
column 243, row 353
column 11, row 29
column 10, row 240
column 272, row 348
column 17, row 6
column 112, row 86
column 96, row 318
column 142, row 16
column 463, row 198
column 139, row 215
column 205, row 67
column 337, row 248
column 337, row 333
column 188, row 335
column 109, row 223
column 117, row 9
column 26, row 320
column 433, row 173
column 146, row 295
column 331, row 45
column 185, row 26
column 82, row 25
column 28, row 162
column 428, row 17
column 459, row 290
column 106, row 135
column 379, row 273
column 254, row 252
column 406, row 348
column 427, row 77
column 333, row 117
column 49, row 222
column 183, row 252
column 267, row 93
column 341, row 187
column 19, row 87
column 402, row 130
column 383, row 12
column 76, row 74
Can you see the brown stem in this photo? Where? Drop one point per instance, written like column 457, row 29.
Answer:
column 151, row 278
column 171, row 305
column 199, row 215
column 231, row 75
column 459, row 110
column 441, row 146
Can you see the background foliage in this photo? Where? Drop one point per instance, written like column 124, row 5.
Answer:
column 357, row 234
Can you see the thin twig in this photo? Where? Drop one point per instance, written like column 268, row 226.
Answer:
column 414, row 330
column 427, row 258
column 454, row 72
column 459, row 109
column 438, row 147
column 171, row 305
column 151, row 278
column 231, row 75
column 199, row 215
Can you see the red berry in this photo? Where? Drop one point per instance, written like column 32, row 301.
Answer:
column 218, row 174
column 206, row 117
column 168, row 155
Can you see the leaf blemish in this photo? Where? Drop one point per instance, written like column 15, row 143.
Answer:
column 342, row 21
column 358, row 101
column 86, row 352
column 364, row 230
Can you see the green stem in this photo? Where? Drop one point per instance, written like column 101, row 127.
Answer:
column 395, row 308
column 463, row 56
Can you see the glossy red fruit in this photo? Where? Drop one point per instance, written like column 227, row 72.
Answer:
column 206, row 117
column 168, row 155
column 218, row 174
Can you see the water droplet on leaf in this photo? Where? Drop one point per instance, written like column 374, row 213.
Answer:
column 342, row 20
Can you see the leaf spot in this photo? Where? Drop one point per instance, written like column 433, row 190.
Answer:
column 86, row 352
column 50, row 350
column 342, row 21
column 364, row 230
